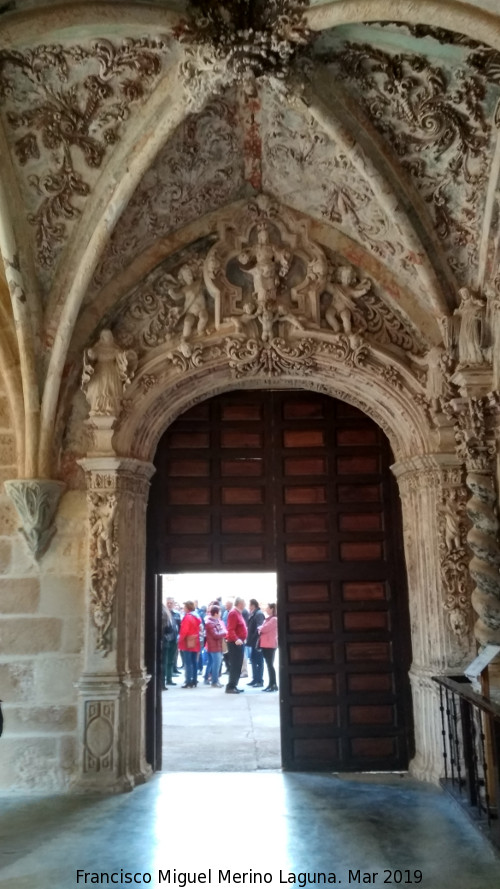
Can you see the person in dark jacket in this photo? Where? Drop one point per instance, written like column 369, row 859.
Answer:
column 255, row 620
column 169, row 646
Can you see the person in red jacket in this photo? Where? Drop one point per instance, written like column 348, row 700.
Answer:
column 236, row 637
column 189, row 643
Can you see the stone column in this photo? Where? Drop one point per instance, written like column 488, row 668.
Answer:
column 435, row 529
column 112, row 686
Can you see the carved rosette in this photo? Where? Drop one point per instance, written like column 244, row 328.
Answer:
column 476, row 447
column 36, row 502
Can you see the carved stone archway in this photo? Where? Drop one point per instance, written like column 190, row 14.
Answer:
column 264, row 307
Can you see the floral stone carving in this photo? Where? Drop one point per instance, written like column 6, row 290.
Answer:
column 36, row 501
column 454, row 560
column 66, row 105
column 240, row 41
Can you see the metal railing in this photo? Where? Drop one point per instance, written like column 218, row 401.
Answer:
column 470, row 725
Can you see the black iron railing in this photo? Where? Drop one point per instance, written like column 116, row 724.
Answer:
column 470, row 725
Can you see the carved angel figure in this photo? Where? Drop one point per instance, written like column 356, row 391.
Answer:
column 266, row 263
column 189, row 287
column 107, row 371
column 471, row 315
column 344, row 291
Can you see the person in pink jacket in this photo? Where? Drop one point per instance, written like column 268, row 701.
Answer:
column 268, row 636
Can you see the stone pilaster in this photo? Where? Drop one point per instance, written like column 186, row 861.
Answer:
column 112, row 686
column 435, row 528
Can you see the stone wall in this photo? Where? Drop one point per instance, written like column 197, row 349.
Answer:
column 41, row 640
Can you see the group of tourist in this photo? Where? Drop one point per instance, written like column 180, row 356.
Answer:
column 209, row 637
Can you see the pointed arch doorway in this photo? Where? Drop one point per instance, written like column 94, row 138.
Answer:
column 298, row 483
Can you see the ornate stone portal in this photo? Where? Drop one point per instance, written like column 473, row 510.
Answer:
column 264, row 304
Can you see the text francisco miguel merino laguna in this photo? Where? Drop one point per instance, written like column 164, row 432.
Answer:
column 213, row 876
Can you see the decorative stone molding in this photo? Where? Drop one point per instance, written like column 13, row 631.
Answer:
column 64, row 107
column 476, row 446
column 268, row 295
column 240, row 42
column 112, row 686
column 437, row 120
column 36, row 502
column 454, row 559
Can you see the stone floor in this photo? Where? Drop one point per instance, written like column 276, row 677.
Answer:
column 261, row 822
column 239, row 813
column 206, row 730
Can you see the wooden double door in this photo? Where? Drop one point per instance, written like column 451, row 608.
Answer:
column 299, row 483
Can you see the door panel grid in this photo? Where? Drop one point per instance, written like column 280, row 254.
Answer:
column 300, row 484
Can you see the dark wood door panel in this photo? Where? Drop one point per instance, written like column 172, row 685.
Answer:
column 300, row 483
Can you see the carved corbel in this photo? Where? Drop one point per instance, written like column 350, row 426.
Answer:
column 36, row 502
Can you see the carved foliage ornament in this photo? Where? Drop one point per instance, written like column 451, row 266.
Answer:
column 65, row 105
column 103, row 564
column 245, row 39
column 263, row 287
column 36, row 501
column 454, row 559
column 436, row 123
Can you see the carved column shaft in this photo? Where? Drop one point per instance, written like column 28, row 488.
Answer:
column 440, row 642
column 114, row 680
column 476, row 447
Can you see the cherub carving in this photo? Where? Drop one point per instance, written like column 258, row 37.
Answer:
column 107, row 371
column 266, row 263
column 189, row 287
column 344, row 291
column 267, row 315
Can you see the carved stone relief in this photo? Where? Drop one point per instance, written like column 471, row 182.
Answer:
column 64, row 107
column 437, row 121
column 200, row 169
column 36, row 502
column 454, row 560
column 311, row 173
column 240, row 43
column 99, row 747
column 103, row 564
column 268, row 295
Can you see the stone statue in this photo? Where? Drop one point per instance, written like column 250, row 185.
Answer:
column 343, row 292
column 266, row 315
column 452, row 536
column 102, row 528
column 470, row 339
column 266, row 263
column 107, row 371
column 189, row 287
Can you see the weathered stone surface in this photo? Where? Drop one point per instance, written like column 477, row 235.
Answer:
column 5, row 417
column 61, row 595
column 29, row 635
column 7, row 449
column 8, row 519
column 19, row 595
column 5, row 555
column 16, row 681
column 55, row 678
column 72, row 636
column 28, row 719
